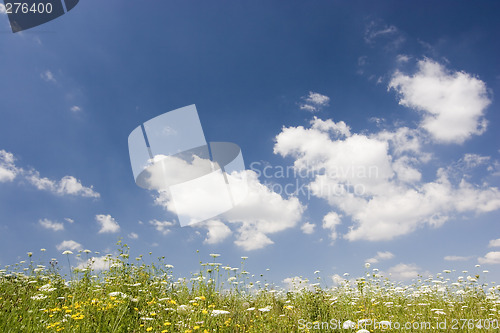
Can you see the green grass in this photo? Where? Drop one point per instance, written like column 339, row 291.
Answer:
column 132, row 296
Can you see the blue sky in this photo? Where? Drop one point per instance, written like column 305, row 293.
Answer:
column 406, row 88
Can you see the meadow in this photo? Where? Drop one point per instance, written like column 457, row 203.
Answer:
column 130, row 295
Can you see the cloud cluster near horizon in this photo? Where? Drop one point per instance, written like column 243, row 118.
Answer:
column 390, row 198
column 395, row 200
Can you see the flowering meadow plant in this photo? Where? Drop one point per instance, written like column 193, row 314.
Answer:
column 126, row 295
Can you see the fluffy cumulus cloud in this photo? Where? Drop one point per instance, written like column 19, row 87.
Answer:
column 67, row 185
column 314, row 102
column 217, row 232
column 452, row 103
column 69, row 245
column 108, row 224
column 52, row 225
column 262, row 213
column 492, row 258
column 375, row 179
column 380, row 256
column 2, row 9
column 133, row 235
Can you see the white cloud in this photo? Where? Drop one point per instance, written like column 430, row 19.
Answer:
column 48, row 76
column 374, row 30
column 261, row 213
column 67, row 219
column 474, row 160
column 2, row 9
column 494, row 243
column 296, row 283
column 338, row 129
column 376, row 181
column 314, row 102
column 96, row 263
column 452, row 103
column 8, row 170
column 308, row 228
column 217, row 232
column 307, row 107
column 68, row 185
column 378, row 31
column 330, row 222
column 48, row 224
column 318, row 99
column 108, row 224
column 403, row 272
column 457, row 258
column 402, row 58
column 163, row 227
column 69, row 245
column 380, row 256
column 492, row 258
column 75, row 108
column 133, row 235
column 338, row 280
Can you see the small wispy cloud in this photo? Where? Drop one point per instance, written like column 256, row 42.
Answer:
column 48, row 76
column 162, row 226
column 69, row 245
column 2, row 9
column 308, row 228
column 380, row 256
column 387, row 33
column 53, row 225
column 108, row 224
column 457, row 258
column 314, row 102
column 133, row 235
column 75, row 108
column 402, row 58
column 67, row 185
column 403, row 272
